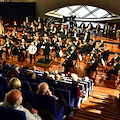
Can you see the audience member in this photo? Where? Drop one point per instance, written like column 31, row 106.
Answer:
column 14, row 83
column 13, row 99
column 13, row 72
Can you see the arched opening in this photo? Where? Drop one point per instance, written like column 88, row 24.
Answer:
column 83, row 13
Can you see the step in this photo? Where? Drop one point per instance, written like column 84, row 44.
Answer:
column 102, row 109
column 100, row 116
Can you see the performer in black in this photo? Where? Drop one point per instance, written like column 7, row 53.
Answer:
column 47, row 50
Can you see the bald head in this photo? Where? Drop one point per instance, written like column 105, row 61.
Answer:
column 13, row 98
column 42, row 88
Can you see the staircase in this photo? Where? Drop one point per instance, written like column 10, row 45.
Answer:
column 102, row 104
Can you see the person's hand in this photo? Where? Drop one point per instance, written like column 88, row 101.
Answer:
column 49, row 92
column 33, row 111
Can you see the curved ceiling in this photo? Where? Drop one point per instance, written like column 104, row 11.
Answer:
column 110, row 5
column 83, row 12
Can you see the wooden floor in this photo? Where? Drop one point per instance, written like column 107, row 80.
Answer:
column 103, row 104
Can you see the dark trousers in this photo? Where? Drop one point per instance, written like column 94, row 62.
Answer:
column 1, row 54
column 47, row 55
column 32, row 55
column 21, row 55
column 7, row 53
column 109, row 74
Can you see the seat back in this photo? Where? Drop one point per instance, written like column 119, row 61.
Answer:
column 11, row 114
column 66, row 94
column 25, row 86
column 1, row 93
column 34, row 87
column 47, row 103
column 28, row 97
column 3, row 81
column 74, row 92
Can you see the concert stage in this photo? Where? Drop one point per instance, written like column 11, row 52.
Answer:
column 44, row 63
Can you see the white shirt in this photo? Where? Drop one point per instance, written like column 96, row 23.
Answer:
column 32, row 49
column 28, row 114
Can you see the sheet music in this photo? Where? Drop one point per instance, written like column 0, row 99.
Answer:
column 60, row 53
column 103, row 63
column 80, row 57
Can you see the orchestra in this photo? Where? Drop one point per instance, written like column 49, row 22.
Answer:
column 72, row 42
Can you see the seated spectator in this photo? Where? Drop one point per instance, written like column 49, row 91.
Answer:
column 47, row 75
column 75, row 83
column 86, row 78
column 31, row 75
column 14, row 83
column 34, row 68
column 13, row 99
column 63, row 76
column 57, row 77
column 13, row 72
column 43, row 89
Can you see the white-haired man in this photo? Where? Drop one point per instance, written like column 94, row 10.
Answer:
column 13, row 99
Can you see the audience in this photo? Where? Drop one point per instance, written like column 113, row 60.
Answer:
column 43, row 88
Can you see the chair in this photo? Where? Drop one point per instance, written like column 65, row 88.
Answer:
column 1, row 93
column 34, row 87
column 28, row 97
column 67, row 96
column 3, row 81
column 11, row 114
column 74, row 94
column 25, row 85
column 49, row 103
column 3, row 72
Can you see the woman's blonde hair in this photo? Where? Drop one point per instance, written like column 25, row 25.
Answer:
column 14, row 83
column 57, row 77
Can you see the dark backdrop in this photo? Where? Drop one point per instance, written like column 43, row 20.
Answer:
column 17, row 10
